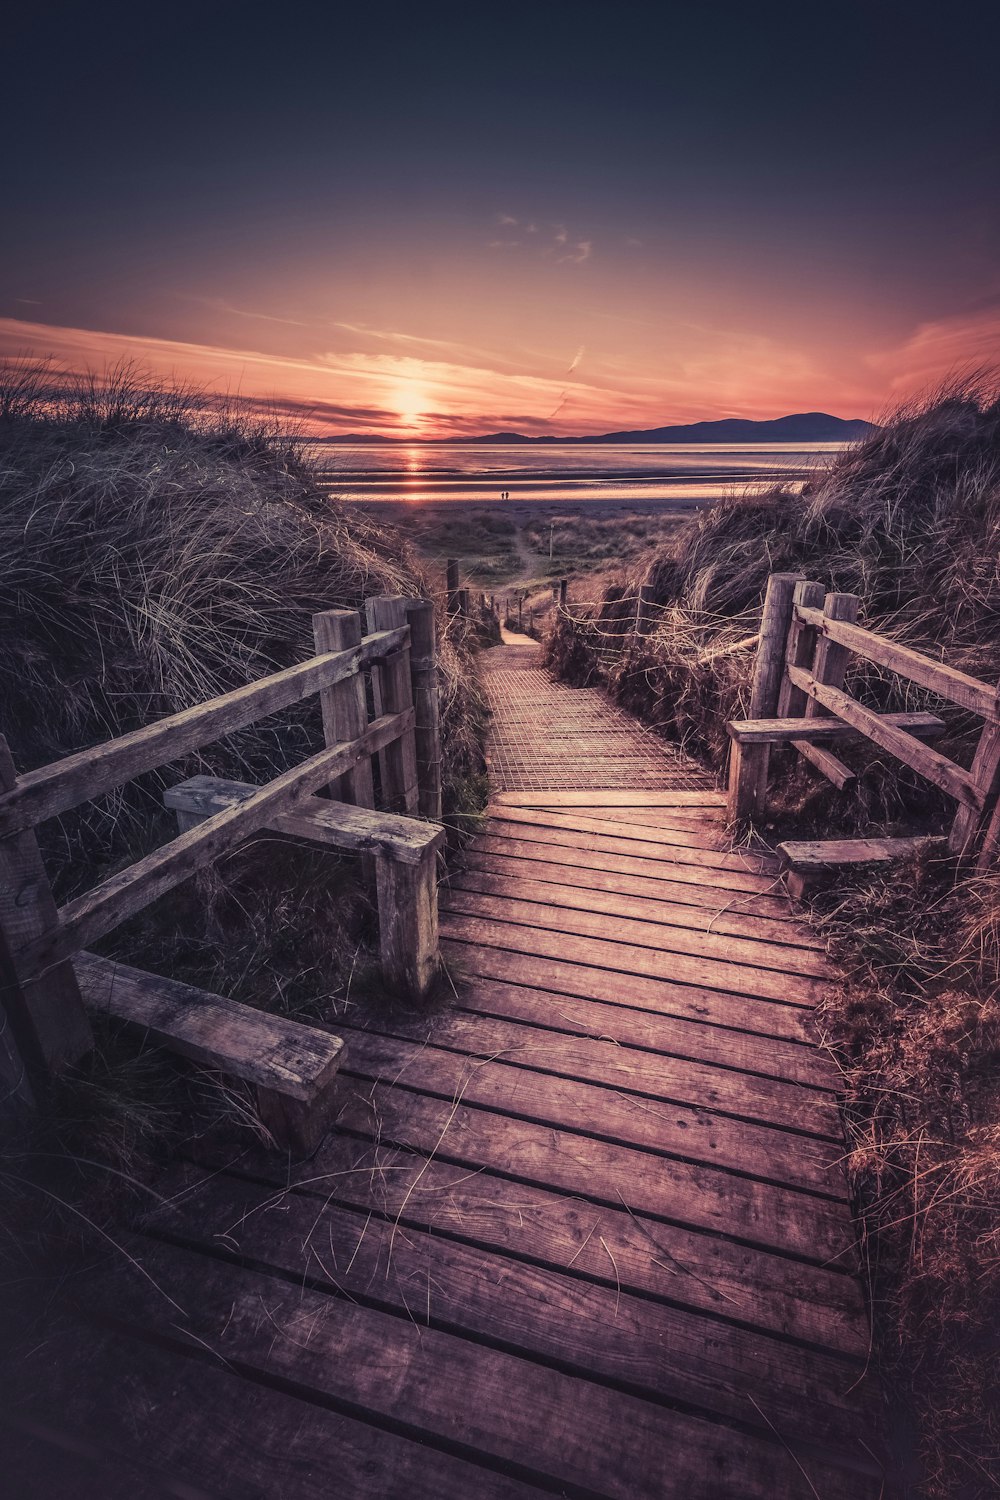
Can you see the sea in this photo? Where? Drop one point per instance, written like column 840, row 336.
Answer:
column 605, row 473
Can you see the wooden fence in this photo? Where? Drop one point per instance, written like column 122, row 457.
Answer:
column 48, row 983
column 807, row 638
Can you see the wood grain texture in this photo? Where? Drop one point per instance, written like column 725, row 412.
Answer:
column 344, row 705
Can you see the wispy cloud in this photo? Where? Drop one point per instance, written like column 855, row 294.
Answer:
column 552, row 242
column 219, row 304
column 945, row 346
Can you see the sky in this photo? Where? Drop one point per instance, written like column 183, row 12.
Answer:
column 444, row 220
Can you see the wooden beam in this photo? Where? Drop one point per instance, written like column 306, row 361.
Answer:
column 958, row 687
column 393, row 692
column 426, row 702
column 292, row 1066
column 90, row 773
column 43, row 1012
column 748, row 764
column 359, row 829
column 408, row 924
column 344, row 705
column 90, row 916
column 985, row 774
column 800, row 648
column 936, row 768
column 778, row 731
column 807, row 855
column 828, row 765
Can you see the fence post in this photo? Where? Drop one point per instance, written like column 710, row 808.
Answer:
column 748, row 763
column 829, row 665
column 563, row 584
column 454, row 583
column 463, row 603
column 393, row 694
column 345, row 710
column 424, row 677
column 986, row 779
column 644, row 609
column 45, row 1025
column 408, row 923
column 800, row 650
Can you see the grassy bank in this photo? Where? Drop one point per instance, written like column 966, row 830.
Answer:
column 155, row 551
column 910, row 521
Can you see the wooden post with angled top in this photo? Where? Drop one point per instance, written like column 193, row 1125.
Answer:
column 393, row 693
column 424, row 676
column 644, row 609
column 345, row 711
column 45, row 1025
column 454, row 583
column 792, row 701
column 748, row 763
column 969, row 824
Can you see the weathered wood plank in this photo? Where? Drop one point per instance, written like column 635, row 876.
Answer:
column 472, row 922
column 678, row 883
column 426, row 695
column 771, row 1217
column 408, row 924
column 90, row 916
column 461, row 1393
column 681, row 798
column 639, row 1070
column 827, row 854
column 90, row 773
column 947, row 682
column 550, row 968
column 470, row 1203
column 633, row 895
column 344, row 705
column 668, row 928
column 707, row 841
column 778, row 731
column 317, row 819
column 214, row 1433
column 600, row 1332
column 800, row 647
column 738, row 871
column 393, row 694
column 292, row 1065
column 697, row 1135
column 921, row 758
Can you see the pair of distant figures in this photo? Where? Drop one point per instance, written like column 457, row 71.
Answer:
column 505, row 494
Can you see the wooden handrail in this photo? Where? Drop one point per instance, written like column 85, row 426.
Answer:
column 937, row 768
column 90, row 773
column 89, row 917
column 947, row 682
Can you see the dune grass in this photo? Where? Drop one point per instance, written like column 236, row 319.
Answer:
column 908, row 519
column 157, row 549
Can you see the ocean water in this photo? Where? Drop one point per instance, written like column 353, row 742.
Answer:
column 571, row 473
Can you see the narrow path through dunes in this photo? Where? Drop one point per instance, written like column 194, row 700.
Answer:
column 585, row 1234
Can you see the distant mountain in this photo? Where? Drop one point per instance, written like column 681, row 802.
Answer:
column 803, row 427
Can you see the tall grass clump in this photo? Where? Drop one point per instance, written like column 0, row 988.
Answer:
column 157, row 549
column 909, row 520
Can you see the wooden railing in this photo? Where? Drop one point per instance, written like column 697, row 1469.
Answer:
column 807, row 637
column 45, row 1023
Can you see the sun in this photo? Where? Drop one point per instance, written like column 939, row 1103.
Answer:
column 410, row 401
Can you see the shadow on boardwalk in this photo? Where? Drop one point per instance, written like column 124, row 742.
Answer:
column 585, row 1234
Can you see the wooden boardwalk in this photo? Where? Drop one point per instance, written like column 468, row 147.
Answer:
column 585, row 1233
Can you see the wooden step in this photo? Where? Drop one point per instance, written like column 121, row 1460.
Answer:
column 807, row 860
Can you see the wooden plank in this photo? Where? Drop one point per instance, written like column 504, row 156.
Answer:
column 292, row 1066
column 639, row 1070
column 602, row 1333
column 681, row 797
column 828, row 765
column 462, row 1394
column 688, row 885
column 480, row 919
column 45, row 1026
column 827, row 854
column 778, row 731
column 633, row 896
column 393, row 694
column 921, row 758
column 592, row 833
column 90, row 773
column 631, row 1026
column 344, row 705
column 468, row 1202
column 532, row 902
column 761, row 1214
column 947, row 682
column 426, row 695
column 748, row 764
column 551, row 968
column 985, row 773
column 215, row 1433
column 702, row 838
column 408, row 925
column 317, row 819
column 90, row 916
column 679, row 1131
column 800, row 647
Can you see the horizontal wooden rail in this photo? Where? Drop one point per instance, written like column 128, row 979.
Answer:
column 778, row 731
column 55, row 788
column 947, row 682
column 91, row 916
column 936, row 768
